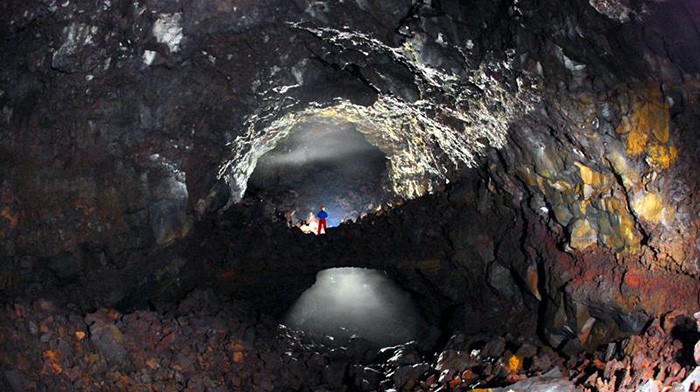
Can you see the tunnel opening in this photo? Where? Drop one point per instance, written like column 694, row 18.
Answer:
column 321, row 164
column 421, row 154
column 361, row 303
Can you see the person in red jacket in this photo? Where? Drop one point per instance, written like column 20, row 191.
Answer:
column 322, row 216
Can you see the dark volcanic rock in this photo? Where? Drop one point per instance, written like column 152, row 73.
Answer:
column 536, row 176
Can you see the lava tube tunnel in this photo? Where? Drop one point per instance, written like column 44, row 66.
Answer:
column 509, row 191
column 321, row 164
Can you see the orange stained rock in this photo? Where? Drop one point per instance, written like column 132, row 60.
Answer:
column 113, row 314
column 582, row 234
column 455, row 382
column 467, row 375
column 124, row 381
column 589, row 176
column 152, row 363
column 634, row 278
column 648, row 131
column 177, row 367
column 562, row 185
column 650, row 207
column 629, row 233
column 541, row 185
column 526, row 175
column 662, row 133
column 636, row 141
column 56, row 368
column 585, row 332
column 671, row 252
column 80, row 335
column 514, row 364
column 237, row 348
column 53, row 363
column 51, row 355
column 533, row 282
column 622, row 223
column 651, row 118
column 600, row 365
column 7, row 214
column 662, row 156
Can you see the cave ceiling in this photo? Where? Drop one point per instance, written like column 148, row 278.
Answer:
column 125, row 124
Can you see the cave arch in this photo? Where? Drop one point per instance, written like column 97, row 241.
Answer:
column 321, row 163
column 422, row 153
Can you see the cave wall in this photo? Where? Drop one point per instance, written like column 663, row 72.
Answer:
column 120, row 120
column 609, row 163
column 109, row 113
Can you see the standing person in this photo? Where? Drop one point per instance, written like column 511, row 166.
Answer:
column 322, row 216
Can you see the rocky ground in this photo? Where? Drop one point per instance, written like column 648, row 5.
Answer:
column 153, row 338
column 567, row 131
column 207, row 344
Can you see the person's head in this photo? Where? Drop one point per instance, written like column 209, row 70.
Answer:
column 323, row 207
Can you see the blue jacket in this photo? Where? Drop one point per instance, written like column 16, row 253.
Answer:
column 322, row 215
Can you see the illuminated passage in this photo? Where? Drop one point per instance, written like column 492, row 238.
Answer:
column 321, row 163
column 355, row 301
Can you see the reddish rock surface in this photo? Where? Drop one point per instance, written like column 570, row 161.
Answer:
column 208, row 345
column 540, row 187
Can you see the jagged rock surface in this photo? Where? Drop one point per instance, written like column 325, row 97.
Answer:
column 567, row 131
column 213, row 345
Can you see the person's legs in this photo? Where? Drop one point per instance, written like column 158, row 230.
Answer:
column 321, row 224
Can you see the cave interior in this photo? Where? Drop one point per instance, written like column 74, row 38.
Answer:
column 512, row 189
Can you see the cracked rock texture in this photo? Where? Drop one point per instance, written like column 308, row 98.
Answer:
column 541, row 169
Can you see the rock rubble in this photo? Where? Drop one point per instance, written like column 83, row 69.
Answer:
column 206, row 344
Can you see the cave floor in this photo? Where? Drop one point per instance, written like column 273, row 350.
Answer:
column 210, row 344
column 167, row 331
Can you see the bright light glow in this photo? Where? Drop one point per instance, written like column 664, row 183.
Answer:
column 426, row 142
column 354, row 301
column 319, row 163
